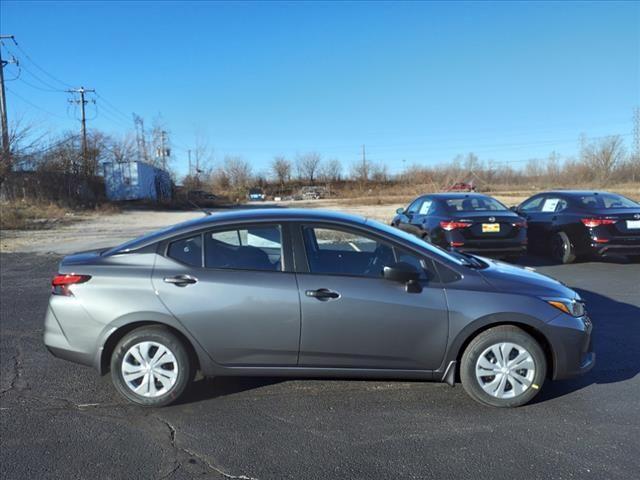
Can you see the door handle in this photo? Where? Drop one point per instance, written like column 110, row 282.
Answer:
column 322, row 294
column 181, row 280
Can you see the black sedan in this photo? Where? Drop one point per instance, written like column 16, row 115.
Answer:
column 567, row 224
column 466, row 222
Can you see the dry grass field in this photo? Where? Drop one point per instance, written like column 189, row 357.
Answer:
column 76, row 231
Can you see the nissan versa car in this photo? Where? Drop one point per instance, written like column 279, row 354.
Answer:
column 472, row 222
column 567, row 224
column 301, row 293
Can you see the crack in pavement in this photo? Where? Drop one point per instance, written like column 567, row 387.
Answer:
column 17, row 371
column 193, row 455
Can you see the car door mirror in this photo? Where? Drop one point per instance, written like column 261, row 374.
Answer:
column 403, row 272
column 513, row 208
column 400, row 211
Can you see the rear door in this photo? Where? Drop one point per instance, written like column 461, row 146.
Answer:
column 352, row 317
column 235, row 291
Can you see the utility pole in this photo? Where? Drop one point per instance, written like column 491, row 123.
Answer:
column 6, row 150
column 82, row 91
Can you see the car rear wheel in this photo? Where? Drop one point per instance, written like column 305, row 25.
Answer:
column 150, row 366
column 562, row 251
column 503, row 367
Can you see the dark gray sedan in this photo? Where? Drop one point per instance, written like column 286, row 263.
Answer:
column 308, row 293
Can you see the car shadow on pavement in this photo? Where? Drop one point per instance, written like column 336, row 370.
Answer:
column 616, row 336
column 211, row 388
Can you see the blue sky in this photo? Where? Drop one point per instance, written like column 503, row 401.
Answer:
column 414, row 82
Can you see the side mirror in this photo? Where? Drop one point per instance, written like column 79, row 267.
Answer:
column 513, row 208
column 403, row 272
column 400, row 211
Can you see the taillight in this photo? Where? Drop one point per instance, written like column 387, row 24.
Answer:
column 596, row 222
column 521, row 224
column 61, row 282
column 448, row 226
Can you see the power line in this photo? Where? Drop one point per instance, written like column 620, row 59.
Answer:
column 40, row 68
column 34, row 105
column 113, row 107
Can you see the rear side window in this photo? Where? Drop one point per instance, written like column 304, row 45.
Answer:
column 606, row 200
column 187, row 251
column 248, row 248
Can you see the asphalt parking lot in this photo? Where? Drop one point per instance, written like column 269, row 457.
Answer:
column 60, row 420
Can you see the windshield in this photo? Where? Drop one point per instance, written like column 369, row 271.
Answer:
column 474, row 204
column 457, row 259
column 606, row 201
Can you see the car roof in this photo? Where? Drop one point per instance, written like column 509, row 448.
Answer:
column 576, row 193
column 455, row 195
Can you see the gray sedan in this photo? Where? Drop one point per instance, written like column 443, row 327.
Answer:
column 307, row 293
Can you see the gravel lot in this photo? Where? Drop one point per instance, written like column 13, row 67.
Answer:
column 60, row 420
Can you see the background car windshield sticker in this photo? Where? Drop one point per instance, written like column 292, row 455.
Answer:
column 424, row 208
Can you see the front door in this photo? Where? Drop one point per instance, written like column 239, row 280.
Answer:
column 229, row 288
column 353, row 318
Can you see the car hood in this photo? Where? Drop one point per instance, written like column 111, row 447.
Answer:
column 512, row 278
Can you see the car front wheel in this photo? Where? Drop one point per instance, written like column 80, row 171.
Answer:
column 151, row 367
column 503, row 367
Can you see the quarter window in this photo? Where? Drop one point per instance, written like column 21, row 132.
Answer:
column 187, row 250
column 248, row 248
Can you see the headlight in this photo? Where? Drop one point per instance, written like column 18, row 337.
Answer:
column 572, row 307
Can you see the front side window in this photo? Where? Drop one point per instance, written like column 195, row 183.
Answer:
column 341, row 252
column 245, row 248
column 415, row 206
column 187, row 250
column 532, row 205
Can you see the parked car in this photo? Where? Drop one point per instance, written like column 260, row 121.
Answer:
column 567, row 224
column 285, row 292
column 257, row 195
column 469, row 222
column 462, row 187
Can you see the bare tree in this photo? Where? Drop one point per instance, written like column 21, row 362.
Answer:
column 281, row 168
column 308, row 165
column 602, row 157
column 361, row 170
column 238, row 171
column 331, row 171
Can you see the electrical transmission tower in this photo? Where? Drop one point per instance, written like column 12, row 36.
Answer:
column 82, row 102
column 141, row 142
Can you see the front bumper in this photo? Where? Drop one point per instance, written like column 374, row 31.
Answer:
column 572, row 346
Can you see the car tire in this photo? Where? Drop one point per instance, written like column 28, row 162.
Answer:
column 138, row 353
column 562, row 250
column 517, row 386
